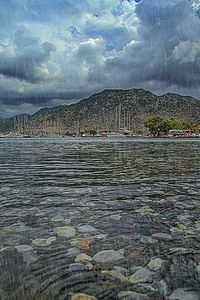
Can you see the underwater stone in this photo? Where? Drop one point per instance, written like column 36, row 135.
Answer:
column 142, row 275
column 128, row 295
column 162, row 236
column 65, row 231
column 183, row 294
column 156, row 264
column 108, row 256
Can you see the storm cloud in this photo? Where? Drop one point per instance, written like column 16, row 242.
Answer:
column 54, row 52
column 168, row 49
column 29, row 65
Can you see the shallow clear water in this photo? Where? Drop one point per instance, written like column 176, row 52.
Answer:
column 126, row 189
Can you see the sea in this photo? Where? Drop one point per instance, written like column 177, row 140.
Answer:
column 99, row 218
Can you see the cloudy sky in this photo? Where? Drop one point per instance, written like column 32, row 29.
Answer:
column 55, row 51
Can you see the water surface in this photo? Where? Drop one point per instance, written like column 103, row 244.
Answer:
column 127, row 190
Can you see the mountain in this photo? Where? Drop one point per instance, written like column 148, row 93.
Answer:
column 113, row 110
column 45, row 110
column 9, row 124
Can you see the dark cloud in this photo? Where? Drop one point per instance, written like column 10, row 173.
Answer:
column 43, row 97
column 168, row 50
column 27, row 65
column 53, row 51
column 167, row 28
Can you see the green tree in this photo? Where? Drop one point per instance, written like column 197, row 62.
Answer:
column 154, row 124
column 178, row 124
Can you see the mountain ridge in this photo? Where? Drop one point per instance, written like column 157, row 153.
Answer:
column 111, row 109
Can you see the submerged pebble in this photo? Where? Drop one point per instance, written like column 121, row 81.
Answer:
column 58, row 218
column 87, row 229
column 108, row 256
column 162, row 236
column 155, row 264
column 142, row 275
column 81, row 296
column 24, row 248
column 128, row 295
column 184, row 294
column 82, row 257
column 65, row 231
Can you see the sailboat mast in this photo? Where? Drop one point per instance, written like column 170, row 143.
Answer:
column 124, row 119
column 77, row 127
column 116, row 119
column 120, row 108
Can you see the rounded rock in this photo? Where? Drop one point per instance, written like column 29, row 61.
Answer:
column 182, row 294
column 162, row 236
column 86, row 229
column 156, row 264
column 67, row 221
column 24, row 248
column 198, row 269
column 128, row 295
column 116, row 274
column 81, row 296
column 58, row 218
column 81, row 243
column 108, row 256
column 50, row 240
column 39, row 242
column 142, row 275
column 83, row 258
column 148, row 240
column 65, row 231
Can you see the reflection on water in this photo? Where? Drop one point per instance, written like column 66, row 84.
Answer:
column 99, row 219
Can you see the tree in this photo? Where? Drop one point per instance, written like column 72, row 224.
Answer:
column 178, row 124
column 154, row 124
column 93, row 132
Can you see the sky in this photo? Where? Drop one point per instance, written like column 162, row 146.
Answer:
column 53, row 52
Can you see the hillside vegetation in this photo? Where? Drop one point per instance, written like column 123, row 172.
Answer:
column 110, row 110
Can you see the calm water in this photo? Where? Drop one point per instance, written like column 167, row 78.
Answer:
column 60, row 198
